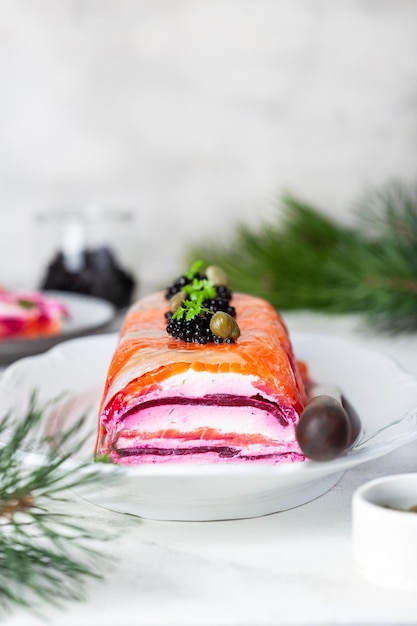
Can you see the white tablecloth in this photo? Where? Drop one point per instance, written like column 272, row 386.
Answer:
column 294, row 567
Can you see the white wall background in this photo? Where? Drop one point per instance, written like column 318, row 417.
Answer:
column 197, row 113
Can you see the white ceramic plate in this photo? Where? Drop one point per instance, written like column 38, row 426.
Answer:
column 384, row 396
column 86, row 315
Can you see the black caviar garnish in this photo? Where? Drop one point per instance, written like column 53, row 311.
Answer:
column 197, row 330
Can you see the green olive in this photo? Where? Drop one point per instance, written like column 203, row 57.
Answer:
column 217, row 275
column 224, row 325
column 176, row 300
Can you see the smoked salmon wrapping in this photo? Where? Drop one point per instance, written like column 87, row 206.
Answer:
column 168, row 401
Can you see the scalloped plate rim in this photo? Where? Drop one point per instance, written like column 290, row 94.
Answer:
column 310, row 479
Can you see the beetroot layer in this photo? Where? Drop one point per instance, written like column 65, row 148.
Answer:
column 220, row 400
column 221, row 451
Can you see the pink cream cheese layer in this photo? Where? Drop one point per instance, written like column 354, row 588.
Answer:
column 167, row 401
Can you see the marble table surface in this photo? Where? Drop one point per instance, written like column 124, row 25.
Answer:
column 294, row 568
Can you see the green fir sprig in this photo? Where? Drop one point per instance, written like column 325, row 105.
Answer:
column 306, row 260
column 47, row 552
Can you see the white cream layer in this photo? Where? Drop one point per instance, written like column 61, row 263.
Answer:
column 192, row 384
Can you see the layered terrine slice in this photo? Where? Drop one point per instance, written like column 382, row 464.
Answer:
column 175, row 399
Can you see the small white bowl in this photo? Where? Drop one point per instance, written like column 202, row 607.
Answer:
column 385, row 532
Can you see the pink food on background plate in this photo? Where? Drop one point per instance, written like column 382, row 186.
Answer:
column 29, row 314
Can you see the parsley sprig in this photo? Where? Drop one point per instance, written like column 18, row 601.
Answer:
column 26, row 304
column 198, row 291
column 194, row 269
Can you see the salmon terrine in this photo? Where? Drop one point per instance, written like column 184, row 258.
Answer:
column 169, row 399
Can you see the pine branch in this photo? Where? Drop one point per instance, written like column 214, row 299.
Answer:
column 46, row 554
column 306, row 260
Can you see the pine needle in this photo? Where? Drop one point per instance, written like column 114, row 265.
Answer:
column 46, row 555
column 306, row 260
